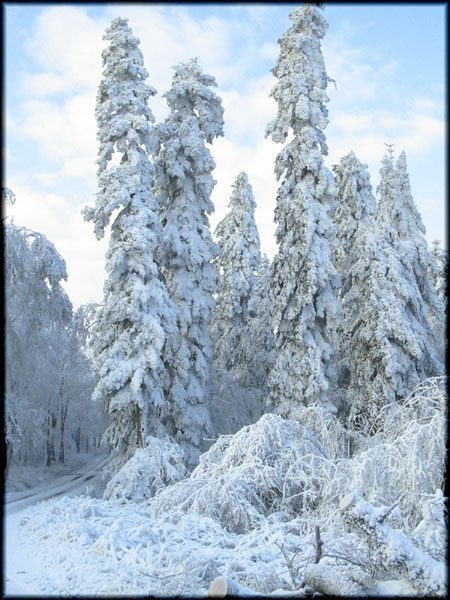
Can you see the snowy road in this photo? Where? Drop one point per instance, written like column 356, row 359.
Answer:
column 18, row 569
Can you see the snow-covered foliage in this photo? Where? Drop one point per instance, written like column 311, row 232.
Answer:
column 303, row 466
column 355, row 202
column 258, row 347
column 158, row 464
column 239, row 330
column 237, row 397
column 390, row 309
column 304, row 280
column 438, row 271
column 250, row 511
column 8, row 196
column 400, row 234
column 354, row 213
column 240, row 255
column 48, row 380
column 438, row 274
column 241, row 479
column 339, row 490
column 183, row 185
column 137, row 314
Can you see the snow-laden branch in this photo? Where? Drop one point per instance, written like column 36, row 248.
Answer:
column 392, row 549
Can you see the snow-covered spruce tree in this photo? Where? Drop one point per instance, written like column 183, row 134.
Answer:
column 258, row 346
column 438, row 271
column 137, row 313
column 355, row 202
column 183, row 185
column 370, row 319
column 304, row 280
column 402, row 233
column 238, row 240
column 438, row 274
column 389, row 347
column 355, row 205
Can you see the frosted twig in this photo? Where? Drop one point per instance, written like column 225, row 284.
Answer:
column 170, row 576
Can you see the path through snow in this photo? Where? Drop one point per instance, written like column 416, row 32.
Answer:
column 20, row 569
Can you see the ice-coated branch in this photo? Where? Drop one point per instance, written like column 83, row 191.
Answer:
column 392, row 549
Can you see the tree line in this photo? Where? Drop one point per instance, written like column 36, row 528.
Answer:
column 198, row 337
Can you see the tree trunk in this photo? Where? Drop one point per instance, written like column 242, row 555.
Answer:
column 77, row 438
column 9, row 454
column 62, row 429
column 50, row 442
column 392, row 549
column 138, row 427
column 224, row 586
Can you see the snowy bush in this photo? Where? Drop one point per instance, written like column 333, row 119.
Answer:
column 264, row 468
column 327, row 428
column 159, row 464
column 302, row 467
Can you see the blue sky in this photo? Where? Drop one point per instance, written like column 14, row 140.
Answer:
column 388, row 61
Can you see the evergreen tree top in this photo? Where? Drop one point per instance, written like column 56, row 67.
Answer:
column 122, row 56
column 353, row 182
column 242, row 196
column 191, row 96
column 302, row 81
column 308, row 20
column 396, row 205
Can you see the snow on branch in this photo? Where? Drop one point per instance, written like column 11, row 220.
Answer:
column 392, row 549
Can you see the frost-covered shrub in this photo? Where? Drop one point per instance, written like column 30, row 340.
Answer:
column 264, row 468
column 327, row 428
column 431, row 533
column 404, row 460
column 159, row 464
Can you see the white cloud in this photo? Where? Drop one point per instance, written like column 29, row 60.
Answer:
column 248, row 112
column 360, row 76
column 66, row 45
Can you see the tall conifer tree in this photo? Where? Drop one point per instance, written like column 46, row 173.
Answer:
column 355, row 202
column 238, row 240
column 390, row 346
column 304, row 280
column 183, row 185
column 137, row 313
column 402, row 233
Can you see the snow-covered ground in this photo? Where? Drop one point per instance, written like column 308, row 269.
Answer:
column 247, row 512
column 28, row 486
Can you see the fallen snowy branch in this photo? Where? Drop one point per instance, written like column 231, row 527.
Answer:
column 392, row 549
column 330, row 582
